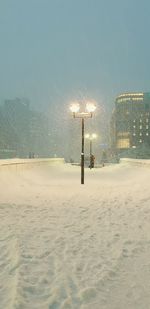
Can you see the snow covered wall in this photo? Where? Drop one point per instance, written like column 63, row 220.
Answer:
column 135, row 161
column 21, row 164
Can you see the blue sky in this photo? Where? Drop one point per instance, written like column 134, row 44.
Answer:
column 53, row 51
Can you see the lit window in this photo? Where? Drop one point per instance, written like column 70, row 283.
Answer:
column 134, row 134
column 146, row 119
column 134, row 120
column 133, row 126
column 140, row 120
column 147, row 133
column 147, row 127
column 140, row 141
column 140, row 134
column 140, row 127
column 123, row 143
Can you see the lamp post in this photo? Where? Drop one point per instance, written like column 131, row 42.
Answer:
column 83, row 114
column 91, row 137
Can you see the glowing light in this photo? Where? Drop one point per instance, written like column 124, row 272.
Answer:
column 91, row 136
column 123, row 143
column 94, row 135
column 90, row 107
column 130, row 94
column 75, row 107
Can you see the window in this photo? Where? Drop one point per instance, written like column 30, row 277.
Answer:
column 140, row 127
column 146, row 126
column 123, row 143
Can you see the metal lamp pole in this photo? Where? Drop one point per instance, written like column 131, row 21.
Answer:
column 82, row 154
column 90, row 147
column 90, row 152
column 91, row 137
column 90, row 107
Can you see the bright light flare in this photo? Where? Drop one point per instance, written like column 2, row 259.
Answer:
column 75, row 107
column 91, row 136
column 94, row 135
column 90, row 107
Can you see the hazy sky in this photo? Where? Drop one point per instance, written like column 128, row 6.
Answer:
column 53, row 51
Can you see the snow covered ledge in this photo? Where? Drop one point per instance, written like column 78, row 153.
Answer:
column 15, row 164
column 135, row 161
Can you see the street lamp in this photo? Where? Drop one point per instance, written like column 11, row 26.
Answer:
column 91, row 137
column 87, row 112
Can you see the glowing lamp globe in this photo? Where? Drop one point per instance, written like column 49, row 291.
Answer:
column 94, row 135
column 90, row 107
column 75, row 107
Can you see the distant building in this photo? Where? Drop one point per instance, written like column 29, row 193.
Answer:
column 39, row 134
column 16, row 116
column 130, row 121
column 7, row 145
column 23, row 131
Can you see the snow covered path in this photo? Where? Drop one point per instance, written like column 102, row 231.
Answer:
column 66, row 245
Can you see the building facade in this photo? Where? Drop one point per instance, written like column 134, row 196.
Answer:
column 130, row 121
column 16, row 116
column 23, row 131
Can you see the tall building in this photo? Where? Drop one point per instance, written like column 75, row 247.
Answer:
column 130, row 121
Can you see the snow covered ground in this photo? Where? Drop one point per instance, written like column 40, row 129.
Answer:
column 66, row 245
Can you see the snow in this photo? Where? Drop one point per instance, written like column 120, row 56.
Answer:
column 67, row 245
